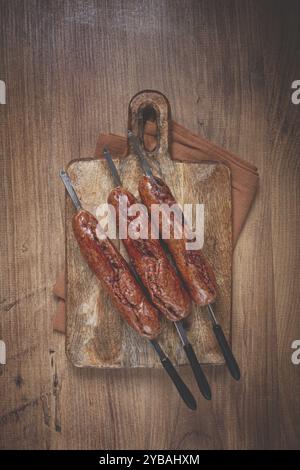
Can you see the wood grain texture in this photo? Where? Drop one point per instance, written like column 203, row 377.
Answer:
column 70, row 68
column 96, row 336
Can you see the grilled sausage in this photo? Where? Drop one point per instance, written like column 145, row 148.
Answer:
column 115, row 276
column 195, row 271
column 153, row 267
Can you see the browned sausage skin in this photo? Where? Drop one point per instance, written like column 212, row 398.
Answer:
column 153, row 267
column 195, row 271
column 114, row 274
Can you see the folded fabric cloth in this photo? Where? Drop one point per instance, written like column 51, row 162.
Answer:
column 188, row 147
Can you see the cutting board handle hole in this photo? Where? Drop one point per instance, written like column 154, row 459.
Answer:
column 149, row 114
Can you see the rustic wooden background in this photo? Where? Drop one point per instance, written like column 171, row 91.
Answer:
column 71, row 68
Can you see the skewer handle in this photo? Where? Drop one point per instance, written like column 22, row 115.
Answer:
column 227, row 353
column 199, row 375
column 197, row 370
column 182, row 389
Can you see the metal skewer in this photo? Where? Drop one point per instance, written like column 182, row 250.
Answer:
column 188, row 348
column 137, row 149
column 112, row 167
column 69, row 187
column 182, row 388
column 217, row 329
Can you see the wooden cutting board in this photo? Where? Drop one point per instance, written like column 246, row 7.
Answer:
column 96, row 334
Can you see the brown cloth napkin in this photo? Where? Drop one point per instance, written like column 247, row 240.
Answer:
column 188, row 147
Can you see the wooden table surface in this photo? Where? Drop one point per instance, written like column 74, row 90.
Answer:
column 70, row 68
